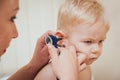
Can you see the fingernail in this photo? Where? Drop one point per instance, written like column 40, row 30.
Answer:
column 48, row 44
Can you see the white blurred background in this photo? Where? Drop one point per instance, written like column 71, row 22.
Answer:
column 37, row 16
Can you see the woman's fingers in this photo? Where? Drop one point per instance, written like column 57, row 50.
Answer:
column 41, row 40
column 53, row 52
column 82, row 66
column 65, row 53
column 81, row 59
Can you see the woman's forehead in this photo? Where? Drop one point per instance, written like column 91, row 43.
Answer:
column 9, row 5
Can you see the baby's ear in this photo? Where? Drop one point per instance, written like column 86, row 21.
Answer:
column 60, row 34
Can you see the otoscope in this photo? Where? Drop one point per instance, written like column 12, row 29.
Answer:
column 53, row 40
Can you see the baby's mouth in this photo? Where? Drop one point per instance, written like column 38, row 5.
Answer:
column 90, row 61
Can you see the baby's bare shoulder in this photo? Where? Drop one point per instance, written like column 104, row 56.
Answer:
column 46, row 74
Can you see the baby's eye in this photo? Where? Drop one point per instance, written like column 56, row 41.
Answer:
column 13, row 18
column 88, row 42
column 101, row 41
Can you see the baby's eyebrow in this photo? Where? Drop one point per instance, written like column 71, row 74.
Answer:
column 94, row 39
column 88, row 38
column 104, row 38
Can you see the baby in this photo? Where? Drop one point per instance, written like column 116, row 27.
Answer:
column 82, row 23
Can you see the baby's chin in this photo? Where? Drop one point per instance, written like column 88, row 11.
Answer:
column 89, row 62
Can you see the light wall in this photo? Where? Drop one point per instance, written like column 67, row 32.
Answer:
column 37, row 16
column 107, row 66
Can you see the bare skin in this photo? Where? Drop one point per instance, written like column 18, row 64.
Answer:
column 65, row 66
column 89, row 42
column 8, row 31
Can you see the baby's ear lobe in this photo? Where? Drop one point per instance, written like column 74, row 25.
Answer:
column 63, row 43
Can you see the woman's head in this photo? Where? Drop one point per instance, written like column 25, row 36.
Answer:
column 8, row 11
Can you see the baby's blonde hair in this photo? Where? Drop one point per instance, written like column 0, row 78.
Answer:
column 78, row 11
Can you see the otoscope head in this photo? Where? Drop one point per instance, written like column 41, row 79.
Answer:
column 52, row 40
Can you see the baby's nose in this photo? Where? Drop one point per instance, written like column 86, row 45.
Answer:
column 95, row 48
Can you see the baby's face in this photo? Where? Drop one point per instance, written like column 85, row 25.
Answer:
column 88, row 39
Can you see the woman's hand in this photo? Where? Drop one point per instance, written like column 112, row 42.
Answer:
column 41, row 56
column 66, row 65
column 39, row 59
